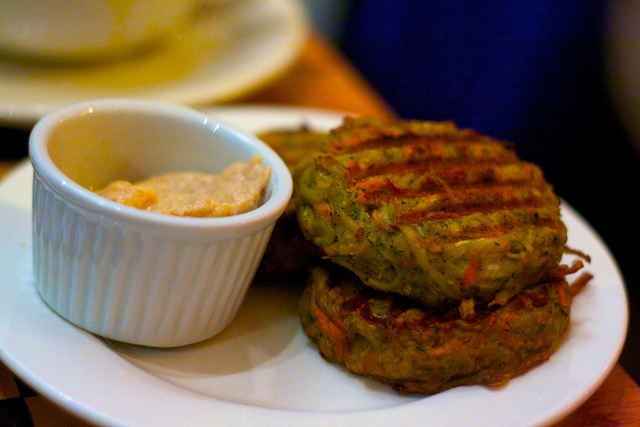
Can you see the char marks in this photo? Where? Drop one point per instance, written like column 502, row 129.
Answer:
column 430, row 211
column 449, row 175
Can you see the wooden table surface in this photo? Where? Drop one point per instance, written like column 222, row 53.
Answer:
column 323, row 78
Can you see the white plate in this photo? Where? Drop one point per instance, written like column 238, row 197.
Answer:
column 262, row 370
column 231, row 49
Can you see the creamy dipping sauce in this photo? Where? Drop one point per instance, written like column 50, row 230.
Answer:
column 238, row 189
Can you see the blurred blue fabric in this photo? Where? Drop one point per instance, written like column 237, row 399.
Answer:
column 523, row 70
column 528, row 71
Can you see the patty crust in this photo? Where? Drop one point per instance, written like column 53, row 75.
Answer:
column 392, row 339
column 431, row 211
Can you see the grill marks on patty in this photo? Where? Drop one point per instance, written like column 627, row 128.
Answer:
column 430, row 211
column 443, row 177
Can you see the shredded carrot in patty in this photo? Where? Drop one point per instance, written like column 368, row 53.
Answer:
column 470, row 273
column 580, row 283
column 330, row 330
column 562, row 296
column 323, row 210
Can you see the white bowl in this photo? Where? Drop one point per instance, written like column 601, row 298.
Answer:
column 87, row 31
column 129, row 274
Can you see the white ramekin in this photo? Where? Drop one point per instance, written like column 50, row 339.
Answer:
column 128, row 274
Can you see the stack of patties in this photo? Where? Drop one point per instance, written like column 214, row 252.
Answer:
column 445, row 251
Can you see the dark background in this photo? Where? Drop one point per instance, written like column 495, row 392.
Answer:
column 532, row 72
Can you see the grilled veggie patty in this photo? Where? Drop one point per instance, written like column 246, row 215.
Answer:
column 288, row 251
column 391, row 339
column 430, row 211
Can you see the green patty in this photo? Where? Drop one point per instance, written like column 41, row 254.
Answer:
column 430, row 211
column 393, row 340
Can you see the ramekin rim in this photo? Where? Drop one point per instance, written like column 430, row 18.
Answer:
column 83, row 198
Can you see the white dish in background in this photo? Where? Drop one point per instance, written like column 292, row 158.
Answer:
column 233, row 48
column 99, row 30
column 262, row 370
